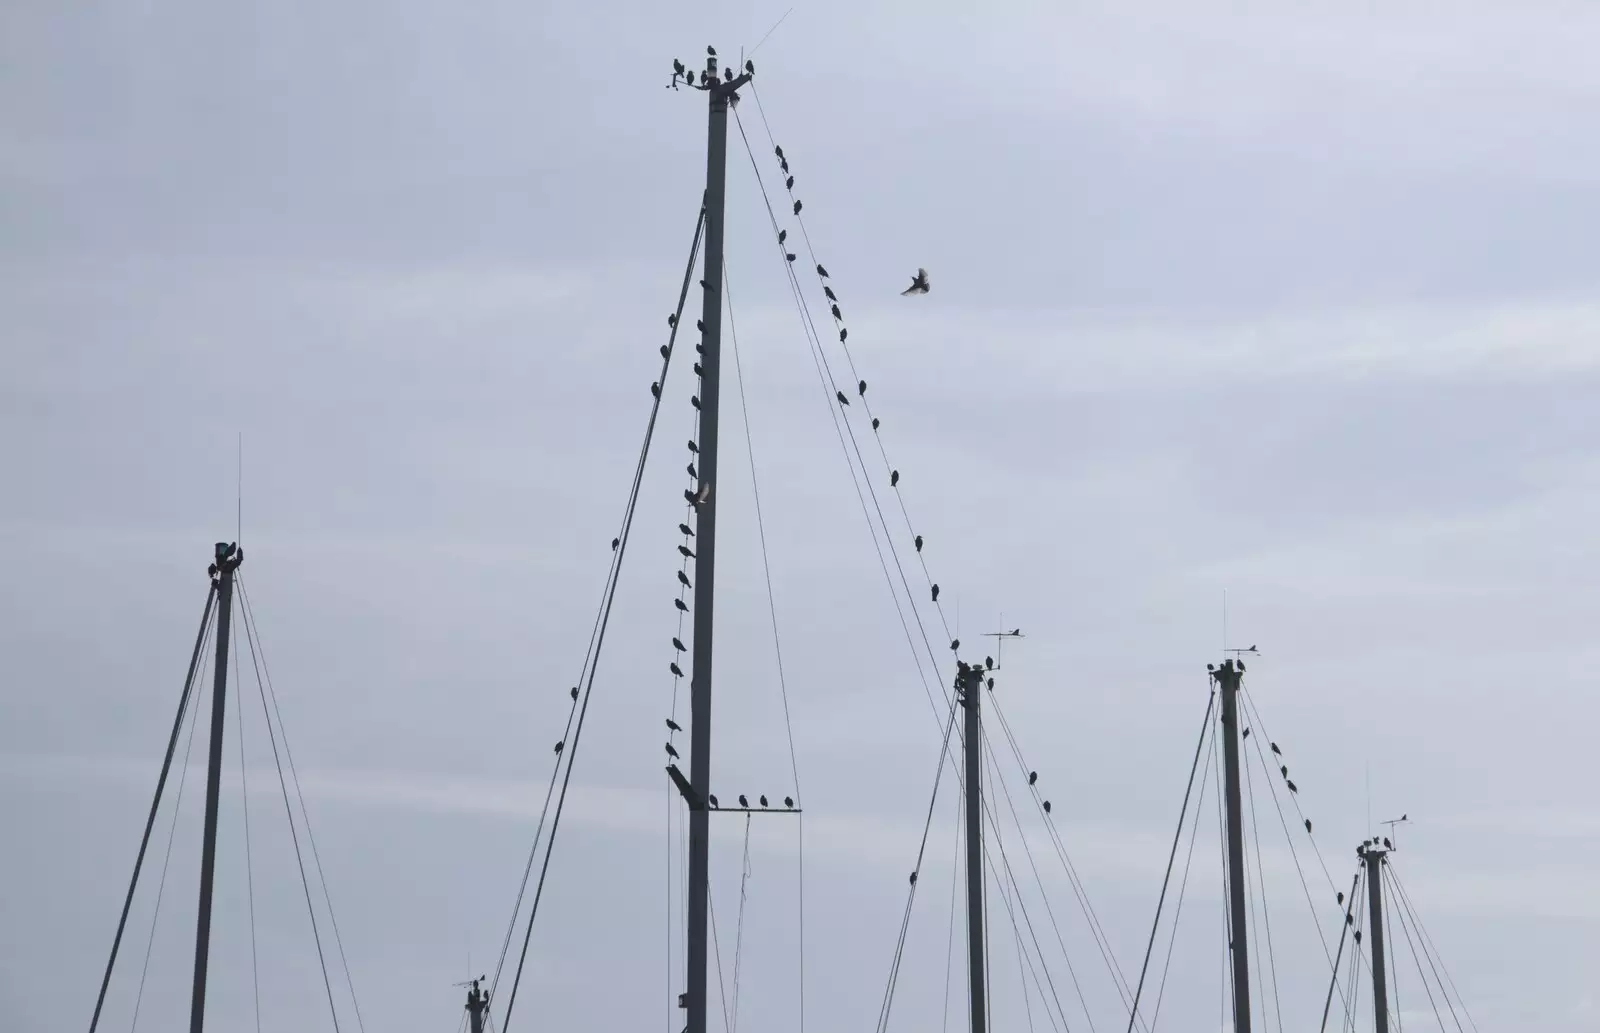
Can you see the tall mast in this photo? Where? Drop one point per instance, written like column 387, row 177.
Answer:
column 228, row 558
column 1374, row 857
column 969, row 685
column 477, row 1004
column 719, row 92
column 1228, row 676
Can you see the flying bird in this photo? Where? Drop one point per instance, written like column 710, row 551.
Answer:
column 705, row 494
column 919, row 284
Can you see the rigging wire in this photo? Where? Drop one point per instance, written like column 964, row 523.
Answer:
column 1038, row 878
column 1405, row 902
column 1254, row 718
column 603, row 621
column 1097, row 931
column 257, row 662
column 716, row 944
column 844, row 430
column 777, row 649
column 249, row 863
column 1266, row 914
column 155, row 804
column 738, row 937
column 1183, row 884
column 911, row 895
column 1344, row 933
column 1172, row 856
column 1227, row 914
column 166, row 860
column 955, row 881
column 1394, row 977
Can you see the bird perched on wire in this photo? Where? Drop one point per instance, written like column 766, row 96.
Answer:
column 919, row 284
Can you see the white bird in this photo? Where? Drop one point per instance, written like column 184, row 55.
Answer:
column 919, row 284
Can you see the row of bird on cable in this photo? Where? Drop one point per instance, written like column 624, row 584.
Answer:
column 919, row 286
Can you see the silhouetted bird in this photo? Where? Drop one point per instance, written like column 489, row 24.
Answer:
column 672, row 752
column 698, row 371
column 955, row 644
column 835, row 310
column 1283, row 769
column 692, row 472
column 763, row 801
column 789, row 256
column 821, row 271
column 788, row 184
column 673, row 725
column 750, row 68
column 694, row 400
column 1290, row 783
column 874, row 423
column 829, row 292
column 680, row 604
column 614, row 543
column 711, row 51
column 918, row 542
column 1275, row 748
column 783, row 235
column 686, row 529
column 677, row 672
column 913, row 878
column 778, row 151
column 655, row 389
column 574, row 692
column 788, row 801
column 935, row 593
column 689, row 495
column 1033, row 776
column 1247, row 733
column 988, row 663
column 676, row 644
column 1308, row 826
column 894, row 478
column 694, row 447
column 677, row 67
column 742, row 801
column 797, row 207
column 1047, row 806
column 700, row 325
column 919, row 283
column 666, row 352
column 1386, row 844
column 687, row 552
column 843, row 333
column 684, row 579
column 861, row 388
column 712, row 800
column 842, row 399
column 672, row 319
column 1341, row 897
column 561, row 744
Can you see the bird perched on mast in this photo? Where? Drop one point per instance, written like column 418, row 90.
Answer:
column 919, row 284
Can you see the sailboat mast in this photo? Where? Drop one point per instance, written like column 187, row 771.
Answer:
column 969, row 684
column 1229, row 676
column 1374, row 858
column 719, row 92
column 228, row 558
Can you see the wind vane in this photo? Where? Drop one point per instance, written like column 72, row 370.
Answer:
column 1000, row 637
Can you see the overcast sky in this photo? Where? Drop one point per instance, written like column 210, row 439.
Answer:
column 1292, row 305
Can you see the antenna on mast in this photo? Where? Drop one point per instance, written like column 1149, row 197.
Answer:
column 1000, row 644
column 1404, row 819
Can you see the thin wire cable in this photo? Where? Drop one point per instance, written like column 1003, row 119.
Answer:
column 738, row 936
column 1172, row 856
column 1266, row 913
column 911, row 895
column 777, row 644
column 1388, row 923
column 1183, row 885
column 1429, row 949
column 272, row 737
column 1435, row 968
column 249, row 864
column 166, row 860
column 1426, row 988
column 716, row 945
column 184, row 698
column 598, row 639
column 955, row 881
column 253, row 632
